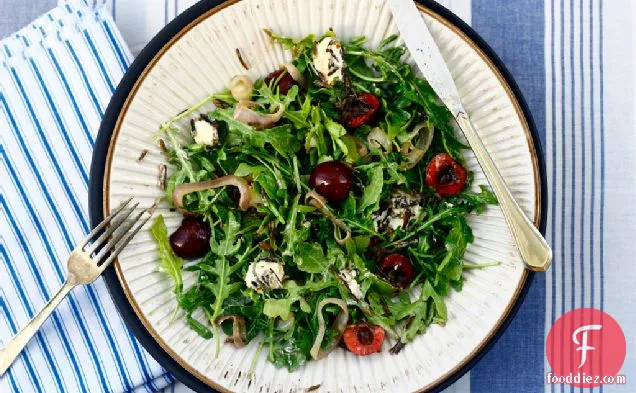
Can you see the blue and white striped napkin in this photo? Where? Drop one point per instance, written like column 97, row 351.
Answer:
column 56, row 78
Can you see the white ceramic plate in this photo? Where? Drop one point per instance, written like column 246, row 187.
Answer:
column 199, row 58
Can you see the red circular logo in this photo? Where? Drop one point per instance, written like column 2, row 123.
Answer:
column 586, row 348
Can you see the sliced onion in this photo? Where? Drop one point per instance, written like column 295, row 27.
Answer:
column 244, row 114
column 339, row 326
column 318, row 201
column 241, row 87
column 295, row 74
column 247, row 199
column 414, row 151
column 239, row 331
column 378, row 138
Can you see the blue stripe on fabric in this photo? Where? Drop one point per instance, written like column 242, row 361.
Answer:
column 593, row 148
column 573, row 204
column 25, row 354
column 602, row 201
column 555, row 265
column 520, row 350
column 123, row 62
column 602, row 119
column 563, row 172
column 583, row 172
column 45, row 293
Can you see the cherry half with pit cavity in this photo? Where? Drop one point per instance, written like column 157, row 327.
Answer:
column 398, row 270
column 363, row 338
column 192, row 239
column 359, row 109
column 333, row 180
column 445, row 175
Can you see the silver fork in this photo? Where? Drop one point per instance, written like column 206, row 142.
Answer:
column 85, row 264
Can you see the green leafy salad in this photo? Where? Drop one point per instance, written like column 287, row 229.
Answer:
column 324, row 204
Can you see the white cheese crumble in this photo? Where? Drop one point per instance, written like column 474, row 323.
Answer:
column 349, row 275
column 265, row 275
column 204, row 133
column 401, row 206
column 329, row 60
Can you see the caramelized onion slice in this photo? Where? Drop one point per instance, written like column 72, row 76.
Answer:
column 415, row 148
column 239, row 331
column 295, row 73
column 318, row 201
column 378, row 138
column 246, row 200
column 339, row 325
column 244, row 114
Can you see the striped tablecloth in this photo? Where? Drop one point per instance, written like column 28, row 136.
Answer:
column 573, row 60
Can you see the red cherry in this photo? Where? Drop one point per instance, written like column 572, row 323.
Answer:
column 445, row 175
column 333, row 180
column 192, row 239
column 359, row 109
column 398, row 270
column 285, row 83
column 363, row 339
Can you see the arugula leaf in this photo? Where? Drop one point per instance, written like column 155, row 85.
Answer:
column 336, row 132
column 230, row 243
column 310, row 258
column 372, row 192
column 170, row 263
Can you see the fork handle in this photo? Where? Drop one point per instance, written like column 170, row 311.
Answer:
column 534, row 250
column 13, row 348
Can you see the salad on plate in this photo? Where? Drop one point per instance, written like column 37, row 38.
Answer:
column 323, row 205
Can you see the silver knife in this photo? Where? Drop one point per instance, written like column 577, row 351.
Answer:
column 534, row 250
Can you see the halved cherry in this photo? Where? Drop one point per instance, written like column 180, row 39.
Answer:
column 445, row 175
column 192, row 239
column 363, row 338
column 333, row 180
column 359, row 109
column 398, row 270
column 285, row 83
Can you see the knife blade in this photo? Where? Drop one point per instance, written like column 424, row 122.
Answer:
column 425, row 52
column 534, row 250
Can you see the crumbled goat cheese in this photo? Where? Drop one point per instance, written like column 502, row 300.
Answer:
column 205, row 132
column 348, row 275
column 264, row 275
column 329, row 60
column 401, row 206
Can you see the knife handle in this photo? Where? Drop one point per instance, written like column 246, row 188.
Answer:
column 534, row 250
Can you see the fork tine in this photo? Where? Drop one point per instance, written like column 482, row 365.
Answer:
column 104, row 236
column 129, row 236
column 104, row 223
column 124, row 228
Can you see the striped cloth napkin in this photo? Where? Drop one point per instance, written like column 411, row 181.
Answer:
column 56, row 78
column 573, row 61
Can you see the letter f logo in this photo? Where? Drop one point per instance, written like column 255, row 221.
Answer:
column 583, row 344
